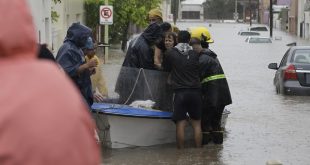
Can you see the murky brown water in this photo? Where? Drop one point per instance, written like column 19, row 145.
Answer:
column 262, row 126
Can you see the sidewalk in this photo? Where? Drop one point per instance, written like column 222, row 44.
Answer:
column 116, row 56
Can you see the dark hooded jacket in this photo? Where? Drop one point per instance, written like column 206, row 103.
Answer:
column 45, row 54
column 183, row 63
column 140, row 53
column 70, row 56
column 215, row 88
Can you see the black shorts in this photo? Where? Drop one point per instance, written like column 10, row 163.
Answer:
column 187, row 101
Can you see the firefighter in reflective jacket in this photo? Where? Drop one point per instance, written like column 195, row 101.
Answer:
column 215, row 90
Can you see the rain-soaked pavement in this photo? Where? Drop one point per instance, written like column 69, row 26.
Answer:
column 262, row 126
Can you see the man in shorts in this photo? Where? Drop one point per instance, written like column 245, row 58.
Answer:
column 183, row 63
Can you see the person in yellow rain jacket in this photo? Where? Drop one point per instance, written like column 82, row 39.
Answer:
column 98, row 83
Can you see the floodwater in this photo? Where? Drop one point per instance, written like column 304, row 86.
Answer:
column 262, row 125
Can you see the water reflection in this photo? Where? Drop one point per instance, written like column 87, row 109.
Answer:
column 165, row 154
column 262, row 125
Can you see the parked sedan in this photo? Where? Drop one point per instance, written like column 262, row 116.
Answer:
column 293, row 74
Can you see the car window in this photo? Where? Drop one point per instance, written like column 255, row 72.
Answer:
column 284, row 59
column 264, row 40
column 259, row 29
column 260, row 40
column 301, row 56
column 253, row 40
column 249, row 34
column 254, row 34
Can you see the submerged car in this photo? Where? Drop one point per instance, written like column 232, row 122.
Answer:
column 257, row 39
column 258, row 28
column 293, row 74
column 248, row 33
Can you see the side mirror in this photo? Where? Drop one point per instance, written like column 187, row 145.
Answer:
column 273, row 66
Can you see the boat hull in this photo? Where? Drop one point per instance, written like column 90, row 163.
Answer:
column 121, row 131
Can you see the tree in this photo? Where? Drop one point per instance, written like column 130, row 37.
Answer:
column 126, row 12
column 54, row 14
column 219, row 9
column 175, row 4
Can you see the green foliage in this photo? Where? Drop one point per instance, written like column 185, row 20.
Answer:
column 56, row 1
column 54, row 14
column 91, row 8
column 126, row 12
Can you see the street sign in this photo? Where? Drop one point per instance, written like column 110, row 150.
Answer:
column 106, row 15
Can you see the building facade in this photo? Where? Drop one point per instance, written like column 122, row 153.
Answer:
column 53, row 33
column 70, row 11
column 191, row 10
column 264, row 11
column 166, row 10
column 302, row 19
column 293, row 17
column 41, row 12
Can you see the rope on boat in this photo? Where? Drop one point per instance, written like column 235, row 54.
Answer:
column 136, row 83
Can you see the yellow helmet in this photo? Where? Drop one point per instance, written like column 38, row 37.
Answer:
column 201, row 33
column 155, row 13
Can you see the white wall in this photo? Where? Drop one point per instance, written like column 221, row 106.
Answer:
column 41, row 13
column 307, row 24
column 300, row 17
column 69, row 11
column 166, row 9
column 53, row 34
column 193, row 7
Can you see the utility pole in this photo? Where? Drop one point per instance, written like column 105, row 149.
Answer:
column 250, row 12
column 236, row 11
column 106, row 38
column 236, row 6
column 271, row 19
column 175, row 11
column 258, row 13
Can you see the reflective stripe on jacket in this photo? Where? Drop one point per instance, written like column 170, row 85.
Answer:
column 214, row 77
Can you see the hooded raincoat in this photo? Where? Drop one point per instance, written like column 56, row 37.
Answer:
column 43, row 119
column 70, row 56
column 130, row 83
column 140, row 53
column 215, row 88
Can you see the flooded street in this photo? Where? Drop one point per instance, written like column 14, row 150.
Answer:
column 262, row 125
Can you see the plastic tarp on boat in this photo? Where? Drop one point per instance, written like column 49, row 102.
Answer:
column 131, row 84
column 124, row 110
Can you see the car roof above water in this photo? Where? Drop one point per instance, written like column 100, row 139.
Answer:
column 299, row 47
column 258, row 28
column 258, row 39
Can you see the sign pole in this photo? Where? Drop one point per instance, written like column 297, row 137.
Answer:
column 250, row 12
column 106, row 38
column 270, row 19
column 99, row 28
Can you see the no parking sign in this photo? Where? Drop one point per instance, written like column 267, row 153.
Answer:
column 106, row 15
